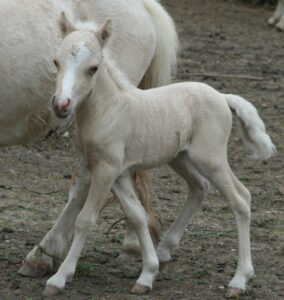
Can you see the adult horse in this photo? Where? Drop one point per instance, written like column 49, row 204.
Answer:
column 144, row 45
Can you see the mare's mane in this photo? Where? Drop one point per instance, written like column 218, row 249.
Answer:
column 76, row 14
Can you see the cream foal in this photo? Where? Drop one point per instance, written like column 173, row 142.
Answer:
column 121, row 129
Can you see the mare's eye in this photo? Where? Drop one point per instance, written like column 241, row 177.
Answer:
column 92, row 70
column 56, row 63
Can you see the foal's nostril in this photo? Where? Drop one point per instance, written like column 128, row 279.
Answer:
column 68, row 102
column 53, row 100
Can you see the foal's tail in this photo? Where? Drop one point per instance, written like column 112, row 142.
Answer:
column 164, row 62
column 253, row 132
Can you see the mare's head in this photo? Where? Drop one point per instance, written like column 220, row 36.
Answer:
column 77, row 61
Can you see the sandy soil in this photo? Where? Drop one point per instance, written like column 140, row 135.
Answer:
column 220, row 37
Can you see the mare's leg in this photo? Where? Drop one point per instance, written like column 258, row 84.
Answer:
column 214, row 166
column 137, row 218
column 198, row 189
column 102, row 179
column 46, row 257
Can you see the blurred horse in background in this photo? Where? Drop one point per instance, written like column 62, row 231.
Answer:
column 277, row 19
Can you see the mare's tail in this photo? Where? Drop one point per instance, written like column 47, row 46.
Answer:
column 164, row 62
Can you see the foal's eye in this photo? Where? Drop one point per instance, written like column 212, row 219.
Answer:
column 56, row 63
column 92, row 70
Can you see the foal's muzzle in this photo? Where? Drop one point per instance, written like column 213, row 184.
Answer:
column 61, row 109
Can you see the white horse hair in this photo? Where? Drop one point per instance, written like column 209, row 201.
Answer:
column 30, row 36
column 277, row 19
column 121, row 129
column 144, row 44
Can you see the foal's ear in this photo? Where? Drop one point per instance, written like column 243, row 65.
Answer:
column 104, row 32
column 65, row 25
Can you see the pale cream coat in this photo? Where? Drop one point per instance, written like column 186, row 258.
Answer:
column 121, row 129
column 144, row 41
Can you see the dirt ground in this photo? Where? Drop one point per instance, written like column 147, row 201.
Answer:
column 220, row 37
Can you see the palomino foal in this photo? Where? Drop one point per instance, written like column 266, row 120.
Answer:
column 121, row 129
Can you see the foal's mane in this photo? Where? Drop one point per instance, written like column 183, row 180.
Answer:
column 118, row 77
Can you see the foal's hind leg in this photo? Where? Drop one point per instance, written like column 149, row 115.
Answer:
column 198, row 189
column 217, row 170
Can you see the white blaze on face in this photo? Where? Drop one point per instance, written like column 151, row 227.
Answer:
column 80, row 55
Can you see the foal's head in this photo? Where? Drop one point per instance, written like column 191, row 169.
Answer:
column 77, row 61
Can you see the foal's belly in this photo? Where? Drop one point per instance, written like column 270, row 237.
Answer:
column 158, row 150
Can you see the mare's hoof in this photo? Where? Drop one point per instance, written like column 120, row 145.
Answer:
column 234, row 293
column 35, row 270
column 51, row 291
column 140, row 289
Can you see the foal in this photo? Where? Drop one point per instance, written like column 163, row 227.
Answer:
column 121, row 129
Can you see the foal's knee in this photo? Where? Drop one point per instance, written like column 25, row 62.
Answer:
column 200, row 188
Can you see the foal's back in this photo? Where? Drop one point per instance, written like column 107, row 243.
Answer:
column 167, row 120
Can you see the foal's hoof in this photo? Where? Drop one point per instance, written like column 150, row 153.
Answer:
column 140, row 289
column 51, row 291
column 35, row 270
column 129, row 255
column 234, row 293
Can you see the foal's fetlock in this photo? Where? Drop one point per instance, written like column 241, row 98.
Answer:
column 164, row 255
column 237, row 286
column 38, row 263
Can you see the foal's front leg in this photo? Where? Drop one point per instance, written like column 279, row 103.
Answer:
column 102, row 179
column 45, row 258
column 137, row 217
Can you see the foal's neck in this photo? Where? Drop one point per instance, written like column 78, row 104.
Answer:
column 111, row 78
